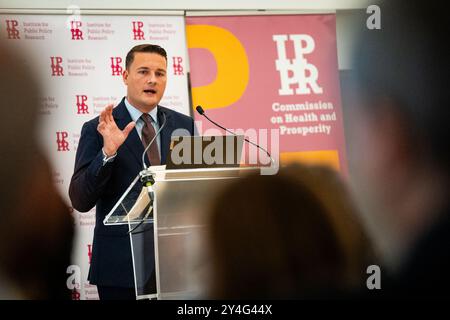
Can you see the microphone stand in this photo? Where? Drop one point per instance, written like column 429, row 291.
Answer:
column 147, row 177
column 202, row 113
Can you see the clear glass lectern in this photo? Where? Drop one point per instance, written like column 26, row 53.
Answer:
column 172, row 213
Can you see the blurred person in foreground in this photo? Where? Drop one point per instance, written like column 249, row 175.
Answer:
column 36, row 226
column 293, row 235
column 399, row 153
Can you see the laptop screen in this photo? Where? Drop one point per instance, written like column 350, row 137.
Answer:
column 189, row 152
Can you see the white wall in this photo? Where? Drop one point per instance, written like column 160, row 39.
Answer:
column 348, row 24
column 190, row 4
column 347, row 21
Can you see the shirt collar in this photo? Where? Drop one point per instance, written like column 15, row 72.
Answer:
column 136, row 113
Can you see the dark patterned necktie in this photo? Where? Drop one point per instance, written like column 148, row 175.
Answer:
column 148, row 133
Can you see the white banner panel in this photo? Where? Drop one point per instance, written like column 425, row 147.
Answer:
column 79, row 61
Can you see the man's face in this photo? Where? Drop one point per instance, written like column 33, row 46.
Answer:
column 146, row 79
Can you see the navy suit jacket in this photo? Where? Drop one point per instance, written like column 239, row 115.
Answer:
column 93, row 184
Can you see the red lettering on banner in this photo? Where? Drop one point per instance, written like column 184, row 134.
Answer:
column 177, row 66
column 138, row 34
column 89, row 252
column 77, row 34
column 115, row 66
column 61, row 137
column 82, row 107
column 75, row 294
column 57, row 69
column 11, row 25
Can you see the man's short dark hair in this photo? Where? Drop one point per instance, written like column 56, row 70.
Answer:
column 148, row 48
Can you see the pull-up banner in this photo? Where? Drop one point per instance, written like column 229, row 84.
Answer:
column 79, row 60
column 271, row 72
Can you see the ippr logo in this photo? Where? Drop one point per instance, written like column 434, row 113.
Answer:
column 57, row 69
column 115, row 66
column 77, row 34
column 75, row 294
column 302, row 73
column 177, row 66
column 11, row 28
column 61, row 137
column 89, row 252
column 82, row 107
column 138, row 34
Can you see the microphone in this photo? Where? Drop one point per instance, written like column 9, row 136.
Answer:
column 202, row 113
column 146, row 176
column 200, row 110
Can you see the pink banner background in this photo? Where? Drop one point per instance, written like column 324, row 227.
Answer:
column 254, row 108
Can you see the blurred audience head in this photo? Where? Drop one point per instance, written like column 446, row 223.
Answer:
column 399, row 154
column 36, row 226
column 292, row 235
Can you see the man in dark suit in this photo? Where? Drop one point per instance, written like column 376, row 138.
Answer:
column 109, row 158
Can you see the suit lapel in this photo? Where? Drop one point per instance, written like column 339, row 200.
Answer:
column 133, row 142
column 166, row 132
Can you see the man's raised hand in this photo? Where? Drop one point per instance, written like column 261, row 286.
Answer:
column 113, row 137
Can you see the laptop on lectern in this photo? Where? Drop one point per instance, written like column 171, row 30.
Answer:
column 193, row 152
